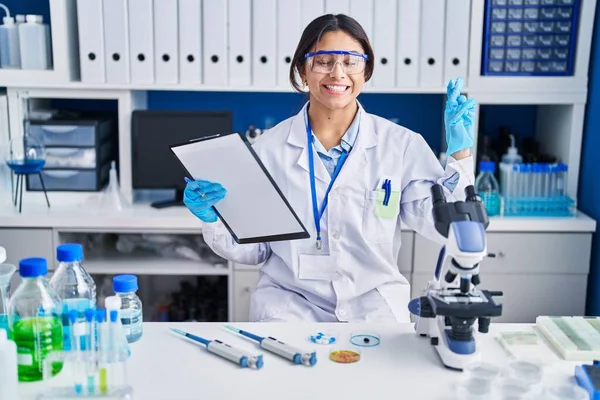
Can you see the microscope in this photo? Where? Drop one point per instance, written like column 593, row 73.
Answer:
column 451, row 302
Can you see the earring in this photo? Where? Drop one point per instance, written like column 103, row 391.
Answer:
column 305, row 85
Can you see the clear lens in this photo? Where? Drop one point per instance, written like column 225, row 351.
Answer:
column 325, row 63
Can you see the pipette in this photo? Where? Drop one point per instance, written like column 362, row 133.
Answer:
column 90, row 359
column 75, row 341
column 226, row 351
column 280, row 348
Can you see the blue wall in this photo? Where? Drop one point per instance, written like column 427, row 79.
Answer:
column 589, row 188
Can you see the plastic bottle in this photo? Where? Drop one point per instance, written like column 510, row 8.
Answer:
column 34, row 321
column 9, row 380
column 487, row 187
column 73, row 285
column 509, row 159
column 34, row 38
column 10, row 49
column 125, row 287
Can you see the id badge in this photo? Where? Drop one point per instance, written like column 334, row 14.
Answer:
column 318, row 267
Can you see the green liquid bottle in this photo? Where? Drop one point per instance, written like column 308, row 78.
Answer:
column 34, row 321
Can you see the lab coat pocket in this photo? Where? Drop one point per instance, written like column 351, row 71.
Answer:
column 379, row 220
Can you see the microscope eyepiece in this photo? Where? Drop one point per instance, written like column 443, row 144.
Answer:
column 437, row 192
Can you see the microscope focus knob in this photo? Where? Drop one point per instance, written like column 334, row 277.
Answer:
column 450, row 276
column 475, row 280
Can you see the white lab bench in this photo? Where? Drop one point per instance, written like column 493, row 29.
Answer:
column 541, row 264
column 165, row 366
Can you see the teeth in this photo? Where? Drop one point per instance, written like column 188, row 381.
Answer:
column 336, row 88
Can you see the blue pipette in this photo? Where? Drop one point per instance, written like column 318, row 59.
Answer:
column 280, row 348
column 226, row 351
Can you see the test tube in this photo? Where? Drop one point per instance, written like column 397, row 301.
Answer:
column 90, row 359
column 102, row 359
column 76, row 349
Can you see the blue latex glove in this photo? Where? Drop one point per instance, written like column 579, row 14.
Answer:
column 458, row 119
column 200, row 197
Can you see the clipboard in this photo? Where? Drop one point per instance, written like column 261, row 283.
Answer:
column 254, row 209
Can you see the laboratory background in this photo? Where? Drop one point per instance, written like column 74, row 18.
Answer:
column 101, row 89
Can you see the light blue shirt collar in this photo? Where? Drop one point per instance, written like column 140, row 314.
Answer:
column 347, row 141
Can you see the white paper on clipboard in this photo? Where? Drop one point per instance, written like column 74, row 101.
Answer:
column 254, row 209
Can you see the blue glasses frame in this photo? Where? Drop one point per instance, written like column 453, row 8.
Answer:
column 350, row 53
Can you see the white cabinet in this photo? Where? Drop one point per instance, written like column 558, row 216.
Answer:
column 25, row 243
column 244, row 283
column 539, row 273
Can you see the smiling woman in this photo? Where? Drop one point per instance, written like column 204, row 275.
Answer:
column 353, row 179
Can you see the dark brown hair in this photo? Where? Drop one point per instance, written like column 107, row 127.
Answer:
column 320, row 26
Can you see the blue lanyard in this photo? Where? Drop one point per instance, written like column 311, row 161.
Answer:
column 318, row 214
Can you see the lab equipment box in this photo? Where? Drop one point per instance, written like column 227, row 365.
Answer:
column 72, row 180
column 530, row 37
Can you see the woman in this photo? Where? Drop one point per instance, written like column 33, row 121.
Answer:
column 333, row 150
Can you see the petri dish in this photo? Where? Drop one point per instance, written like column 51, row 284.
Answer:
column 569, row 391
column 324, row 338
column 526, row 371
column 481, row 370
column 345, row 355
column 513, row 389
column 365, row 339
column 474, row 389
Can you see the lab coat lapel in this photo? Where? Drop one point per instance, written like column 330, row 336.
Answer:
column 358, row 157
column 297, row 138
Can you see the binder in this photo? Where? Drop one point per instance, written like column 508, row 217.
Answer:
column 432, row 43
column 337, row 7
column 190, row 42
column 141, row 41
column 408, row 51
column 220, row 158
column 264, row 71
column 288, row 34
column 311, row 9
column 214, row 42
column 362, row 11
column 384, row 43
column 166, row 50
column 116, row 41
column 456, row 58
column 91, row 41
column 240, row 42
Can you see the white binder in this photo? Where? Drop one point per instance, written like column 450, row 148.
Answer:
column 408, row 51
column 116, row 41
column 240, row 42
column 311, row 9
column 432, row 43
column 214, row 42
column 166, row 47
column 264, row 71
column 190, row 42
column 91, row 41
column 456, row 58
column 384, row 43
column 288, row 36
column 141, row 41
column 337, row 7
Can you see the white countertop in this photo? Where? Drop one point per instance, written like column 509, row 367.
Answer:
column 144, row 217
column 165, row 366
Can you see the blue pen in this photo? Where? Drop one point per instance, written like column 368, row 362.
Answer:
column 284, row 350
column 387, row 186
column 226, row 351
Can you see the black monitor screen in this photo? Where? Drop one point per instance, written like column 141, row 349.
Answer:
column 154, row 166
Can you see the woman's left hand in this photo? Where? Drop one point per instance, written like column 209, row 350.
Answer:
column 458, row 120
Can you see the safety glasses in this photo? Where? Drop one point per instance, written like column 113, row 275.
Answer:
column 323, row 62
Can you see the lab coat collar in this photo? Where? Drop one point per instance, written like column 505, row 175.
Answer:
column 366, row 139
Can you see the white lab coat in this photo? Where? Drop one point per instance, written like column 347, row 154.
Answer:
column 358, row 278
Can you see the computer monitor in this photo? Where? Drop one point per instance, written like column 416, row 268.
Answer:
column 153, row 164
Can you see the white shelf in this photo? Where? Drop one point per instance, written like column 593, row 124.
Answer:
column 151, row 266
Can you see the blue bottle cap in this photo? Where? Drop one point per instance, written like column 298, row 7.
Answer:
column 125, row 283
column 33, row 267
column 487, row 166
column 100, row 315
column 69, row 252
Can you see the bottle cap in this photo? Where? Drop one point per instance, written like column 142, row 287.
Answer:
column 8, row 21
column 69, row 252
column 125, row 283
column 487, row 166
column 20, row 18
column 33, row 267
column 112, row 303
